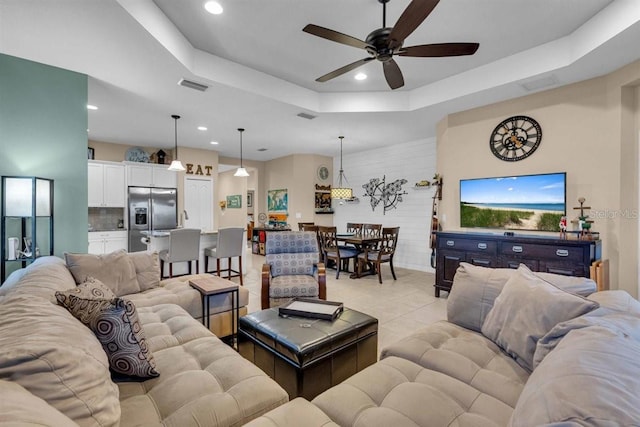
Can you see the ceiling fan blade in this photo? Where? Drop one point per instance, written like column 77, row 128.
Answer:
column 335, row 36
column 345, row 69
column 393, row 74
column 440, row 49
column 411, row 18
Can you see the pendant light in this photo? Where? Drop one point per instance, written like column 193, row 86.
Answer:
column 341, row 192
column 241, row 170
column 176, row 165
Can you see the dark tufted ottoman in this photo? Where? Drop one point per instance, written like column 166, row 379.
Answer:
column 307, row 356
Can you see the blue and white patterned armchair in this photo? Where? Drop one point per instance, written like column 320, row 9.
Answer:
column 292, row 268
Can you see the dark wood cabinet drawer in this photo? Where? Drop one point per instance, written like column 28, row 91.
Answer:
column 469, row 245
column 481, row 259
column 533, row 264
column 562, row 268
column 552, row 252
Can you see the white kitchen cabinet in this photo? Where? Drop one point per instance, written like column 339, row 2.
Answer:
column 150, row 175
column 104, row 242
column 106, row 184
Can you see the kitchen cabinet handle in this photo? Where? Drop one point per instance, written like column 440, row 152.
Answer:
column 516, row 249
column 450, row 243
column 482, row 246
column 562, row 252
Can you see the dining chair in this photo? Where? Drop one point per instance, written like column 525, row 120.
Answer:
column 354, row 227
column 230, row 244
column 371, row 230
column 332, row 251
column 302, row 224
column 383, row 253
column 292, row 268
column 184, row 246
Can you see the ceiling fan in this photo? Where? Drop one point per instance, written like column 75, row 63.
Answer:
column 384, row 43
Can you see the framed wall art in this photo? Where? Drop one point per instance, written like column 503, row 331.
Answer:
column 234, row 201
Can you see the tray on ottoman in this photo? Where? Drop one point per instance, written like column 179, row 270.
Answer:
column 306, row 355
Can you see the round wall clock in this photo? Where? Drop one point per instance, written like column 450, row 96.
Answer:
column 515, row 138
column 323, row 173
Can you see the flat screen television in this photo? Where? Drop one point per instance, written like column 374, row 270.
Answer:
column 524, row 202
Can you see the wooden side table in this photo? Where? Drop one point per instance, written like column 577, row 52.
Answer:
column 214, row 285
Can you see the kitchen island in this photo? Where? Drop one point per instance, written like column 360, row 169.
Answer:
column 159, row 240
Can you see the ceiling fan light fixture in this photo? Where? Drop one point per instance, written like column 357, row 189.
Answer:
column 341, row 192
column 360, row 76
column 176, row 165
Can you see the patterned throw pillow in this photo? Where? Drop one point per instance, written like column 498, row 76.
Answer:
column 115, row 323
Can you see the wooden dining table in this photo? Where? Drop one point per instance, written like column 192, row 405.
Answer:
column 362, row 243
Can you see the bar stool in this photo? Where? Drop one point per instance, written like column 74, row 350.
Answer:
column 184, row 246
column 230, row 244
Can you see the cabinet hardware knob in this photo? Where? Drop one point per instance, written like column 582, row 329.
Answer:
column 562, row 252
column 517, row 249
column 482, row 246
column 450, row 243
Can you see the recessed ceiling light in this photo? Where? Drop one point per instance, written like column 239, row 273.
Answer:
column 214, row 142
column 202, row 128
column 91, row 107
column 213, row 7
column 360, row 76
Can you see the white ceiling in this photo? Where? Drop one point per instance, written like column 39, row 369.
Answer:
column 261, row 68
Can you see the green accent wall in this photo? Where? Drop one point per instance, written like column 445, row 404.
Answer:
column 43, row 132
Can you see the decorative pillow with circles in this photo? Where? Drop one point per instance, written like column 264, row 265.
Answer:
column 115, row 323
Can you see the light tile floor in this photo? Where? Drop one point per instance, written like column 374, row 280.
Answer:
column 401, row 306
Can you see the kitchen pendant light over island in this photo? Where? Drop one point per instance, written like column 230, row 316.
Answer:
column 176, row 165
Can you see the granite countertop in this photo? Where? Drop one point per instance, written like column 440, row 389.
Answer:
column 165, row 233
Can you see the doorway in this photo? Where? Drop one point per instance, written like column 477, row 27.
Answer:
column 198, row 203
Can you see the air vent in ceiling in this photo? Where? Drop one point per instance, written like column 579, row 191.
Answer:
column 193, row 85
column 542, row 83
column 306, row 116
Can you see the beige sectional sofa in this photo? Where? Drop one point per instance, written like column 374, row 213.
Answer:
column 54, row 371
column 518, row 349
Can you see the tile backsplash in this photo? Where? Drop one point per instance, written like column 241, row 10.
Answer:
column 106, row 219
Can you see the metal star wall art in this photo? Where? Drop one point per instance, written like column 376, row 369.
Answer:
column 389, row 194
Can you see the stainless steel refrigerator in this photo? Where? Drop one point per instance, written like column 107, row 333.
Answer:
column 150, row 209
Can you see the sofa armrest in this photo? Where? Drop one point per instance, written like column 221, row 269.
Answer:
column 264, row 292
column 322, row 281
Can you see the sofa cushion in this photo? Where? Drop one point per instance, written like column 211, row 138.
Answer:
column 473, row 293
column 617, row 300
column 42, row 278
column 515, row 322
column 622, row 322
column 298, row 412
column 177, row 290
column 397, row 392
column 115, row 323
column 204, row 381
column 475, row 289
column 21, row 408
column 466, row 355
column 116, row 270
column 293, row 286
column 51, row 354
column 147, row 266
column 591, row 378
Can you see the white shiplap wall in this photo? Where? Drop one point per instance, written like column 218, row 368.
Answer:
column 414, row 161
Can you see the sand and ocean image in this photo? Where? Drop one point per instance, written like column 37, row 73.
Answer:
column 531, row 202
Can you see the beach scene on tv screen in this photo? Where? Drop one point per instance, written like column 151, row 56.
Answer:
column 529, row 202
